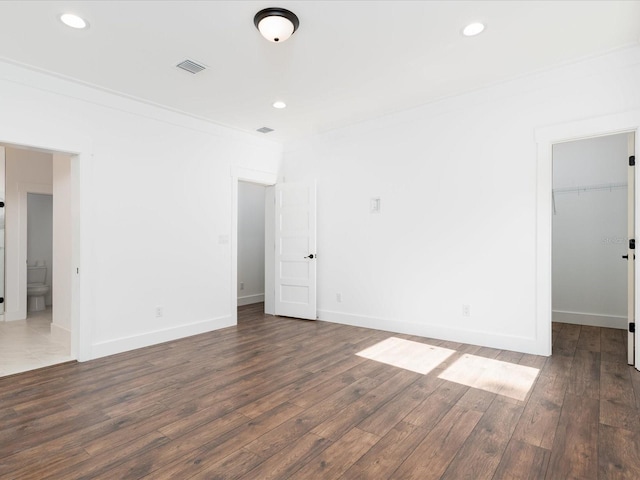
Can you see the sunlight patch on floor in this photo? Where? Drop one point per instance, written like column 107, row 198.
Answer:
column 503, row 378
column 413, row 356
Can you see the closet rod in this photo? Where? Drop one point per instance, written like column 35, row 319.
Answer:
column 585, row 188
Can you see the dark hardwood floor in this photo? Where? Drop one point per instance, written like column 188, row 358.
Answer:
column 278, row 398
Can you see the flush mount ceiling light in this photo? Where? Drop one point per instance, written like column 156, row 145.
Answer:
column 276, row 24
column 279, row 104
column 473, row 29
column 73, row 21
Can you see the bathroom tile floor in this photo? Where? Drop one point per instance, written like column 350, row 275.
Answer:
column 27, row 344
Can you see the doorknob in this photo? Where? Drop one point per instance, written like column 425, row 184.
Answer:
column 310, row 256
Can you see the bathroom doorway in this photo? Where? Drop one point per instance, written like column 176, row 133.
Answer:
column 38, row 233
column 39, row 254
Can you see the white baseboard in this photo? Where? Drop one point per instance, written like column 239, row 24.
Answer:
column 249, row 299
column 61, row 335
column 472, row 337
column 591, row 319
column 119, row 345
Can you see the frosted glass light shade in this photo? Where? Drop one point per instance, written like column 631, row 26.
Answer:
column 276, row 29
column 276, row 24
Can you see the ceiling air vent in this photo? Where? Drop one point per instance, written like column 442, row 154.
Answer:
column 191, row 66
column 264, row 130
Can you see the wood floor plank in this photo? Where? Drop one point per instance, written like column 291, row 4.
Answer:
column 359, row 411
column 228, row 468
column 481, row 452
column 280, row 398
column 522, row 461
column 387, row 454
column 575, row 447
column 635, row 383
column 613, row 345
column 585, row 374
column 434, row 454
column 618, row 406
column 339, row 457
column 589, row 339
column 282, row 436
column 287, row 461
column 567, row 339
column 537, row 425
column 620, row 459
column 391, row 413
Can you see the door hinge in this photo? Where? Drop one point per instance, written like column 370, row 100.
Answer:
column 632, row 327
column 1, row 204
column 632, row 244
column 632, row 161
column 1, row 299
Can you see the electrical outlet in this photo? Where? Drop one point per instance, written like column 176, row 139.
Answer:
column 339, row 297
column 159, row 312
column 466, row 311
column 241, row 285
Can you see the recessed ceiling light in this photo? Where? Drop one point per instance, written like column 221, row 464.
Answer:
column 73, row 21
column 473, row 29
column 279, row 104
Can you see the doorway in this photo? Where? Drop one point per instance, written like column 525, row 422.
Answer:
column 38, row 236
column 39, row 252
column 251, row 243
column 546, row 138
column 589, row 198
column 291, row 206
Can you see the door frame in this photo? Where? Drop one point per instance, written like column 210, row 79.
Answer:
column 240, row 174
column 546, row 137
column 79, row 151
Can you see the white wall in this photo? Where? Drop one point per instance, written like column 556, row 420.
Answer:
column 251, row 198
column 26, row 171
column 457, row 181
column 590, row 232
column 40, row 234
column 152, row 206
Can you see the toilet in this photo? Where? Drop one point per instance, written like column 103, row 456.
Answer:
column 36, row 288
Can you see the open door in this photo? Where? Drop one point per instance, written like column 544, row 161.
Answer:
column 633, row 357
column 2, row 210
column 295, row 245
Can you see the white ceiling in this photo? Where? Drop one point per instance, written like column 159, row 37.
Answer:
column 349, row 60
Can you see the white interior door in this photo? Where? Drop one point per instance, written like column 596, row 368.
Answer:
column 2, row 182
column 295, row 246
column 633, row 350
column 631, row 291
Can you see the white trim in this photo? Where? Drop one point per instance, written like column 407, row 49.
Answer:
column 591, row 319
column 545, row 138
column 254, row 176
column 458, row 335
column 125, row 344
column 250, row 299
